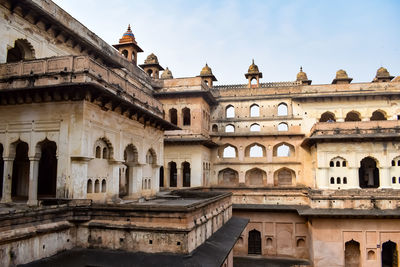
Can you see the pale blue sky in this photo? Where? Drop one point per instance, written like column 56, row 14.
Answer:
column 281, row 35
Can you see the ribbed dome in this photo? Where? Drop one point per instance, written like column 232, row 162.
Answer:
column 301, row 76
column 167, row 74
column 382, row 72
column 206, row 71
column 253, row 68
column 341, row 74
column 151, row 59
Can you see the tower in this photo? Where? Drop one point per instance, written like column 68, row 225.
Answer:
column 207, row 76
column 302, row 77
column 127, row 46
column 151, row 66
column 253, row 74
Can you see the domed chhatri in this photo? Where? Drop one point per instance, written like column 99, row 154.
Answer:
column 206, row 71
column 167, row 74
column 302, row 77
column 151, row 66
column 151, row 59
column 341, row 77
column 207, row 76
column 127, row 46
column 128, row 36
column 382, row 75
column 253, row 68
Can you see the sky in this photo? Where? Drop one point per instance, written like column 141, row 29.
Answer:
column 280, row 35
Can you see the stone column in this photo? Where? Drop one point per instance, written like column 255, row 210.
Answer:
column 7, row 180
column 135, row 180
column 33, row 181
column 155, row 179
column 78, row 181
column 384, row 177
column 179, row 177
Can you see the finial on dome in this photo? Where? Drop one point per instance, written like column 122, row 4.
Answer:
column 129, row 27
column 301, row 69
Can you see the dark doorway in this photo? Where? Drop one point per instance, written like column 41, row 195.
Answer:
column 173, row 116
column 254, row 242
column 20, row 174
column 161, row 176
column 15, row 54
column 368, row 173
column 186, row 174
column 389, row 254
column 172, row 174
column 1, row 170
column 352, row 254
column 47, row 178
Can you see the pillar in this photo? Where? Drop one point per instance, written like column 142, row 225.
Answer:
column 7, row 179
column 33, row 181
column 78, row 181
column 384, row 177
column 179, row 178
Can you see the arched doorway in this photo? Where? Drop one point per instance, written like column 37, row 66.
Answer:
column 186, row 174
column 173, row 176
column 22, row 50
column 161, row 176
column 368, row 173
column 1, row 170
column 254, row 242
column 20, row 173
column 47, row 177
column 352, row 254
column 389, row 254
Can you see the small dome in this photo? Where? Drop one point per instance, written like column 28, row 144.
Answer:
column 167, row 74
column 151, row 59
column 128, row 36
column 382, row 72
column 301, row 76
column 253, row 68
column 206, row 71
column 341, row 74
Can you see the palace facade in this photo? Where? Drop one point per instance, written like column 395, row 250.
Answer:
column 313, row 169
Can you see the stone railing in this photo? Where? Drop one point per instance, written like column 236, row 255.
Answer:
column 355, row 128
column 79, row 64
column 262, row 85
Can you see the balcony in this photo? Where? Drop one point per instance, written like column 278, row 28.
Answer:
column 358, row 130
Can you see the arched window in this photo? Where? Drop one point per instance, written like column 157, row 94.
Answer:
column 186, row 116
column 344, row 164
column 186, row 174
column 255, row 127
column 282, row 109
column 125, row 53
column 393, row 180
column 98, row 152
column 228, row 177
column 229, row 128
column 256, row 151
column 173, row 116
column 283, row 151
column 105, row 153
column 97, row 186
column 254, row 110
column 344, row 180
column 149, row 72
column 337, row 163
column 173, row 177
column 301, row 243
column 22, row 50
column 327, row 117
column 103, row 186
column 338, row 180
column 283, row 127
column 215, row 128
column 229, row 152
column 89, row 186
column 254, row 242
column 230, row 111
column 368, row 173
column 253, row 81
column 284, row 177
column 332, row 180
column 255, row 176
column 378, row 115
column 353, row 116
column 331, row 164
column 150, row 157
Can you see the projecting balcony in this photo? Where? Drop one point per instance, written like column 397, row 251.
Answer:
column 358, row 130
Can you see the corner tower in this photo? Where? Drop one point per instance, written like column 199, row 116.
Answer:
column 151, row 66
column 128, row 47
